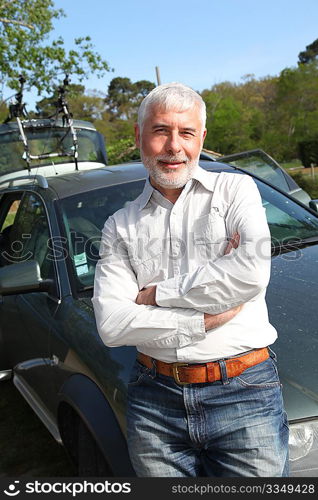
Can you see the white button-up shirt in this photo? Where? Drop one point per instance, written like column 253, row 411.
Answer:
column 180, row 248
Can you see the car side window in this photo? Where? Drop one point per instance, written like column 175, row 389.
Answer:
column 286, row 219
column 84, row 216
column 30, row 235
column 8, row 211
column 11, row 214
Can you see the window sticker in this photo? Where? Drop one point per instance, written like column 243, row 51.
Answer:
column 80, row 261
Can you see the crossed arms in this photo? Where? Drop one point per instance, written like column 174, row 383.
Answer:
column 147, row 297
column 181, row 310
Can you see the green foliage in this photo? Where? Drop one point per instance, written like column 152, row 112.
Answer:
column 307, row 183
column 122, row 151
column 124, row 97
column 310, row 54
column 114, row 130
column 83, row 106
column 273, row 113
column 237, row 114
column 227, row 124
column 297, row 100
column 118, row 134
column 24, row 29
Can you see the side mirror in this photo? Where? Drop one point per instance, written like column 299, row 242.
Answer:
column 314, row 205
column 23, row 277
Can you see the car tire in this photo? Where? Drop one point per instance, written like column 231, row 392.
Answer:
column 90, row 461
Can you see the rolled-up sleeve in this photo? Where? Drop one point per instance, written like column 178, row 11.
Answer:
column 232, row 279
column 120, row 321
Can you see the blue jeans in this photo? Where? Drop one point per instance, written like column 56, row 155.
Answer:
column 231, row 428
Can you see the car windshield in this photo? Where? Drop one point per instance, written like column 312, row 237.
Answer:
column 84, row 216
column 48, row 140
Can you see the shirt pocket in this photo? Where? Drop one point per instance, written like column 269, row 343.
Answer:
column 209, row 234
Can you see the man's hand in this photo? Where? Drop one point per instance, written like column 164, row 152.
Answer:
column 147, row 296
column 214, row 320
column 233, row 243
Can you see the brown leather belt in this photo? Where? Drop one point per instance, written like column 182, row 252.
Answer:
column 184, row 373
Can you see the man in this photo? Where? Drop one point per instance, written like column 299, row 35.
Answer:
column 182, row 276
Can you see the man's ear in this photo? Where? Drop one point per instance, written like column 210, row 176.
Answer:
column 137, row 135
column 204, row 135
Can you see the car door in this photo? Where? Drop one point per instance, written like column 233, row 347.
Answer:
column 9, row 205
column 27, row 319
column 264, row 166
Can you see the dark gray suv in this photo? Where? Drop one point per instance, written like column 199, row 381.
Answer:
column 50, row 229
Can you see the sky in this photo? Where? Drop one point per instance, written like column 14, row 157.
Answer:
column 199, row 43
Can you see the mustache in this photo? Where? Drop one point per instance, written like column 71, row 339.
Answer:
column 172, row 159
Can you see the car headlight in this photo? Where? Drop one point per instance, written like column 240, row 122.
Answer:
column 303, row 448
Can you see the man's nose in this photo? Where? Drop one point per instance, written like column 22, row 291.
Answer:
column 173, row 145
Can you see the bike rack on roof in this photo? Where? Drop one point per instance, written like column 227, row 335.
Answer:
column 18, row 110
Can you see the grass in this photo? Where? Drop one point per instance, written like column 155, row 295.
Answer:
column 27, row 447
column 291, row 164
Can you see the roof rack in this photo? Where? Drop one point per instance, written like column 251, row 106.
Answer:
column 38, row 178
column 18, row 110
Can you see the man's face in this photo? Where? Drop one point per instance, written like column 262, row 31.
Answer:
column 170, row 143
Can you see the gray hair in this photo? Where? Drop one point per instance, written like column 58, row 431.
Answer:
column 168, row 96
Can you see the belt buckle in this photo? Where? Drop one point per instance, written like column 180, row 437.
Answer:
column 175, row 372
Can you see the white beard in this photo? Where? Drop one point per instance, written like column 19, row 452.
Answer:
column 168, row 178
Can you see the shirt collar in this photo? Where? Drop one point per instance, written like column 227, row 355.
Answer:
column 205, row 178
column 145, row 195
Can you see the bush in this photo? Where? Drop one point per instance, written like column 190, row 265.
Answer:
column 307, row 183
column 308, row 152
column 122, row 151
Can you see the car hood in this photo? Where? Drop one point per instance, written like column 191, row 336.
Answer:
column 292, row 304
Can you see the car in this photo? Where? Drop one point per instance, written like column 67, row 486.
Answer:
column 49, row 143
column 264, row 166
column 50, row 229
column 56, row 191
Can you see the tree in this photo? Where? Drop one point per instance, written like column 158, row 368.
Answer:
column 82, row 106
column 235, row 115
column 229, row 126
column 24, row 29
column 310, row 54
column 296, row 105
column 119, row 95
column 124, row 96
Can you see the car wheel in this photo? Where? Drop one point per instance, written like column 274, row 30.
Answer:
column 90, row 461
